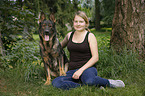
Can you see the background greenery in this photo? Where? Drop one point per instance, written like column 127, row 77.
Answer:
column 19, row 18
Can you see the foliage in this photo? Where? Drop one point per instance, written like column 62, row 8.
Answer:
column 20, row 18
column 64, row 15
column 63, row 9
column 24, row 59
column 107, row 8
column 15, row 21
column 107, row 12
column 88, row 7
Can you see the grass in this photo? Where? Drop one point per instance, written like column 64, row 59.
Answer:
column 27, row 77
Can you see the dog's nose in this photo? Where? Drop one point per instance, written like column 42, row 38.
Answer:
column 47, row 32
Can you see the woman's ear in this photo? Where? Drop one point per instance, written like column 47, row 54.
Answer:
column 87, row 25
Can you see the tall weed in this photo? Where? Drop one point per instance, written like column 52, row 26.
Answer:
column 126, row 65
column 119, row 64
column 24, row 61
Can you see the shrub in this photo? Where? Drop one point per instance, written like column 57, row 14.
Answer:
column 24, row 60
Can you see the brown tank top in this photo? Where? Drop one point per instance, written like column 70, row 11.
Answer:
column 79, row 52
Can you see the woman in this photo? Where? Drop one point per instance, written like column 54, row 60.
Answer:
column 82, row 46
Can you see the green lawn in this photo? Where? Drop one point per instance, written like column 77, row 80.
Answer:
column 27, row 77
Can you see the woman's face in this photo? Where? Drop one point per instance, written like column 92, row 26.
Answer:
column 79, row 23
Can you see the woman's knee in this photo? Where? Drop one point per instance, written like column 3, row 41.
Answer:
column 89, row 81
column 88, row 76
column 91, row 70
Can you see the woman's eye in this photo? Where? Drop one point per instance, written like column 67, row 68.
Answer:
column 75, row 21
column 81, row 21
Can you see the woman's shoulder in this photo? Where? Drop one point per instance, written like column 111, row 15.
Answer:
column 68, row 35
column 91, row 36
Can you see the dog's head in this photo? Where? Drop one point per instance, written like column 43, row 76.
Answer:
column 47, row 27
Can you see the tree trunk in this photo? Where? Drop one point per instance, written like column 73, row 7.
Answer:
column 75, row 3
column 1, row 47
column 128, row 26
column 97, row 15
column 20, row 3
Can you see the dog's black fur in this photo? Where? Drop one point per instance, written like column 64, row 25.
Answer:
column 51, row 51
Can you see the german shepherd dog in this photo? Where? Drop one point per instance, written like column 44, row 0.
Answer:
column 51, row 51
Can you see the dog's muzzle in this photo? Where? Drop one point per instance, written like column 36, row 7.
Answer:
column 46, row 35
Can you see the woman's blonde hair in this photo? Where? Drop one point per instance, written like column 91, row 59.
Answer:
column 84, row 16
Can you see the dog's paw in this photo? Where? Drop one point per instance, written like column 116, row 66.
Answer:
column 47, row 83
column 63, row 74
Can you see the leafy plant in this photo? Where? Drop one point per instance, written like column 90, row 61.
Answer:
column 24, row 59
column 15, row 21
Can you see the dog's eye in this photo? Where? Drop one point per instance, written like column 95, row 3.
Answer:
column 44, row 24
column 50, row 25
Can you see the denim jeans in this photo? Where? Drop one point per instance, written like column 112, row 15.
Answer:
column 88, row 77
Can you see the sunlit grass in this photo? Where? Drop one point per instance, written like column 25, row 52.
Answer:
column 36, row 37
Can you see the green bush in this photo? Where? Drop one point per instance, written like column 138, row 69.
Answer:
column 24, row 60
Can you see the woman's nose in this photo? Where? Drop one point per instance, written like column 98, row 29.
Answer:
column 78, row 23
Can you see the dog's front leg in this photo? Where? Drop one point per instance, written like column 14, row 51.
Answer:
column 61, row 66
column 66, row 67
column 48, row 77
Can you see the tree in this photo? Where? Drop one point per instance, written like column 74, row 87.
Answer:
column 128, row 28
column 107, row 12
column 97, row 15
column 13, row 19
column 2, row 53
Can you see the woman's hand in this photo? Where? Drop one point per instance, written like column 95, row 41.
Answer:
column 77, row 74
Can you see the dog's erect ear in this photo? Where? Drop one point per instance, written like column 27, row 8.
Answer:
column 52, row 17
column 52, row 14
column 42, row 17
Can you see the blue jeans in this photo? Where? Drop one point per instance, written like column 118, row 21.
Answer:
column 88, row 77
